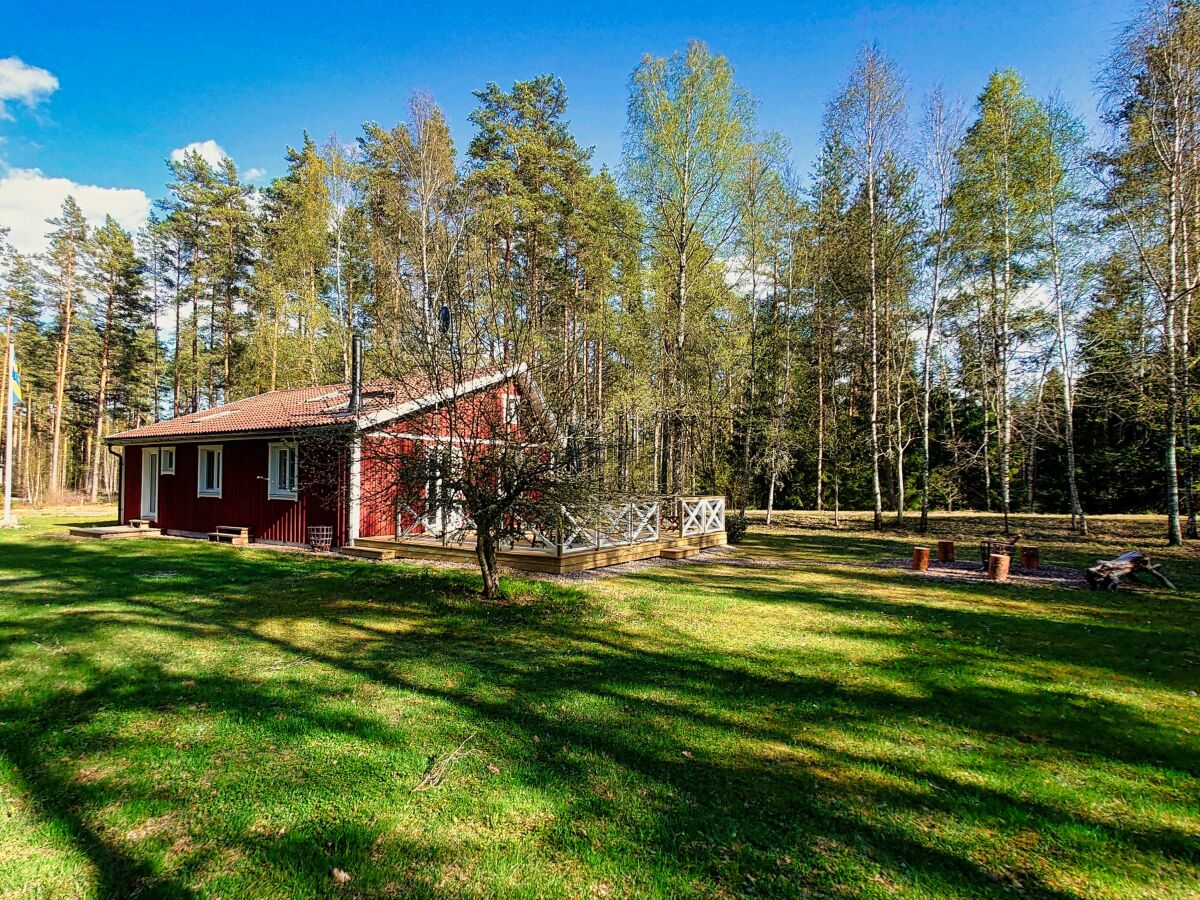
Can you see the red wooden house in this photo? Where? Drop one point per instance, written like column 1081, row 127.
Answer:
column 245, row 465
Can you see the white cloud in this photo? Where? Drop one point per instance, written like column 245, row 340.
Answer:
column 28, row 198
column 23, row 82
column 253, row 173
column 210, row 151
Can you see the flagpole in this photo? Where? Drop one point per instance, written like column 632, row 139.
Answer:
column 9, row 366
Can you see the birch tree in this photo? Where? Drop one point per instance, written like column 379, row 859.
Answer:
column 997, row 200
column 942, row 131
column 1150, row 90
column 1065, row 256
column 686, row 143
column 869, row 114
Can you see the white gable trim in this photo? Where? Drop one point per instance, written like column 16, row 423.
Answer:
column 392, row 413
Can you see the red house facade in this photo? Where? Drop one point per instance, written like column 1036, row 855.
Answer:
column 250, row 464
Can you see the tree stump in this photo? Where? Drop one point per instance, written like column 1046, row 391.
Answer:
column 945, row 551
column 920, row 562
column 1029, row 557
column 998, row 567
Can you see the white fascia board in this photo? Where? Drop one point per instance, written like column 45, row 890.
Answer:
column 392, row 413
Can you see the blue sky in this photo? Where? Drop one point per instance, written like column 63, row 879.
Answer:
column 136, row 81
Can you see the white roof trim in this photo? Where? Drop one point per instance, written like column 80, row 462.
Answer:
column 380, row 417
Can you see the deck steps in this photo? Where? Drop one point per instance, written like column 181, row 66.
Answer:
column 678, row 552
column 234, row 535
column 369, row 552
column 140, row 524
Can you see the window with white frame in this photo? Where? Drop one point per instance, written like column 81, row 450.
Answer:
column 166, row 457
column 281, row 477
column 209, row 471
column 512, row 409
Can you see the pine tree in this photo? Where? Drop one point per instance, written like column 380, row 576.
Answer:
column 63, row 268
column 116, row 276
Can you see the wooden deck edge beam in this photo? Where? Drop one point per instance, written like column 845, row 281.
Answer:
column 113, row 532
column 546, row 563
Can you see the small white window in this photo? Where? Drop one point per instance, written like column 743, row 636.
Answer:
column 167, row 460
column 512, row 409
column 281, row 475
column 209, row 471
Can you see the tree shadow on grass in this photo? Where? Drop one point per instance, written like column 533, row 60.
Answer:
column 1148, row 638
column 602, row 701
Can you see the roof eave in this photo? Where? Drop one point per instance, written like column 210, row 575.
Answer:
column 197, row 437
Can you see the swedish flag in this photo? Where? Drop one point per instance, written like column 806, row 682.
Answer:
column 16, row 378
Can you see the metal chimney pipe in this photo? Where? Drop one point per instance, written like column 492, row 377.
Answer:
column 355, row 373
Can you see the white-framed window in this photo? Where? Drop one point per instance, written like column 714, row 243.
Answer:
column 210, row 470
column 512, row 409
column 281, row 474
column 166, row 456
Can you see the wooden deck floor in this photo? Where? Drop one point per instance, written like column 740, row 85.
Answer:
column 109, row 532
column 536, row 561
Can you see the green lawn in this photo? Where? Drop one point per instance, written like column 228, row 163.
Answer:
column 179, row 719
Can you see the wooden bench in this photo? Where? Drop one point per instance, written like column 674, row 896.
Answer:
column 1106, row 575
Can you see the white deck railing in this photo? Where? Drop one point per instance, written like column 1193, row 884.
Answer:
column 701, row 515
column 594, row 527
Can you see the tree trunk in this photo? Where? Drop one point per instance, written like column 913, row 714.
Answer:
column 1170, row 340
column 876, row 490
column 101, row 397
column 62, row 359
column 1078, row 521
column 771, row 495
column 485, row 553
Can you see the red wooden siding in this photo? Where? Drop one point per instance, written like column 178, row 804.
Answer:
column 243, row 499
column 480, row 412
column 378, row 497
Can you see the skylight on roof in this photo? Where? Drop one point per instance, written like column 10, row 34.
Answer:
column 328, row 396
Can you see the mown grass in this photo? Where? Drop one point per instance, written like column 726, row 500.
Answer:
column 179, row 719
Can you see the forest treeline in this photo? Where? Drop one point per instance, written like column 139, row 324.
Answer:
column 956, row 305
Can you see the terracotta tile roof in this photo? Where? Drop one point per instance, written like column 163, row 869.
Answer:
column 288, row 410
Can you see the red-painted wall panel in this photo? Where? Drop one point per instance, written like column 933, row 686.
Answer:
column 480, row 413
column 243, row 499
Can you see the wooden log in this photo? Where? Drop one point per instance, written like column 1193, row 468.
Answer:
column 945, row 551
column 1107, row 573
column 920, row 560
column 998, row 564
column 1029, row 557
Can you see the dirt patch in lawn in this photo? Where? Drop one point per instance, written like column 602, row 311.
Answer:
column 965, row 570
